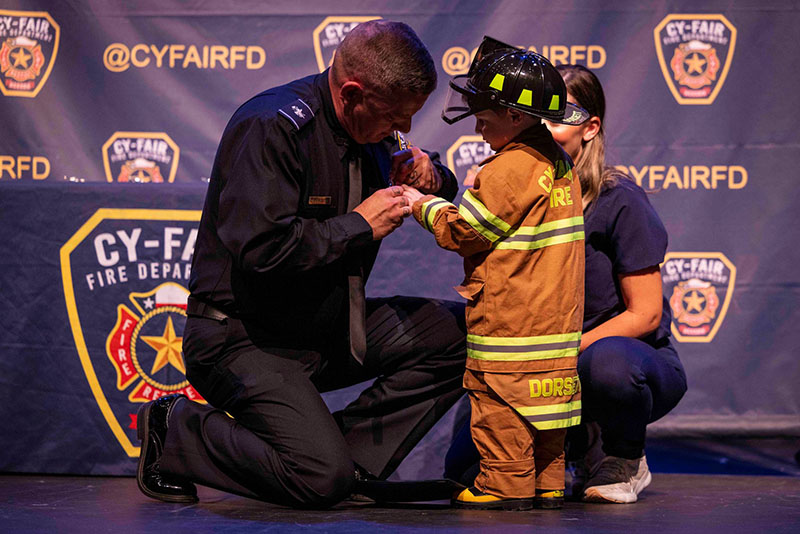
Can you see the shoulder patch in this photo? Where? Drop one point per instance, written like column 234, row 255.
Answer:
column 297, row 112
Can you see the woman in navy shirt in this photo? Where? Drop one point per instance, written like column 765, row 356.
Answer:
column 630, row 373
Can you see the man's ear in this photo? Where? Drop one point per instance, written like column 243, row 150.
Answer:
column 591, row 128
column 351, row 94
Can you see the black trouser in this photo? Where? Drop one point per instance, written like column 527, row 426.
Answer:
column 280, row 442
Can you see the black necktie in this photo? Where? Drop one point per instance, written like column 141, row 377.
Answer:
column 358, row 336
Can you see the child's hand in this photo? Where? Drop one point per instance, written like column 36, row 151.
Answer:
column 411, row 194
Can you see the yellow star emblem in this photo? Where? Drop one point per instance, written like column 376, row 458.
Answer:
column 168, row 349
column 21, row 58
column 695, row 63
column 694, row 301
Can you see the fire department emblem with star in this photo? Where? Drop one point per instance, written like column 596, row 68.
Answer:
column 699, row 286
column 695, row 54
column 125, row 273
column 28, row 50
column 145, row 347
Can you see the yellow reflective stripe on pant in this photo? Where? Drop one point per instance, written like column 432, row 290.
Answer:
column 481, row 219
column 552, row 416
column 516, row 349
column 544, row 235
column 429, row 210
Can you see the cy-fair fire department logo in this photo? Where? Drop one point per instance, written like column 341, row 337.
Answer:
column 695, row 53
column 125, row 274
column 330, row 33
column 141, row 157
column 465, row 157
column 699, row 286
column 28, row 49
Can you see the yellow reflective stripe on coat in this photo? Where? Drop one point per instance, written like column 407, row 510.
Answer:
column 520, row 349
column 552, row 416
column 481, row 219
column 544, row 235
column 429, row 210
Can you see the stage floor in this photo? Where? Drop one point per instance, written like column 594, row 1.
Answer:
column 673, row 503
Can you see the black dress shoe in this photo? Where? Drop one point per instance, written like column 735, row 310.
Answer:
column 152, row 423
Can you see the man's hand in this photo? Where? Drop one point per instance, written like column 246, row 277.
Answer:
column 384, row 210
column 413, row 167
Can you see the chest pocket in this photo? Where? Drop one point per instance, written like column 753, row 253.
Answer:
column 319, row 205
column 322, row 190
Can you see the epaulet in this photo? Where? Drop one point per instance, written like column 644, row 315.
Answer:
column 297, row 112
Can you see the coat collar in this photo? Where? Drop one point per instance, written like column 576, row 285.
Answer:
column 344, row 142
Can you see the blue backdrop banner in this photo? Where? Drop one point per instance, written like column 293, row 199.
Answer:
column 111, row 115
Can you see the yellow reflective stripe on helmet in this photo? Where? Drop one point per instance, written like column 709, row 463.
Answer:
column 497, row 82
column 481, row 219
column 525, row 98
column 429, row 210
column 544, row 235
column 554, row 102
column 516, row 349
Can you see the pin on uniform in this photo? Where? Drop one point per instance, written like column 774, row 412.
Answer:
column 404, row 144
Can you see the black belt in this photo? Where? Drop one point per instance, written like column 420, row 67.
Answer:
column 201, row 309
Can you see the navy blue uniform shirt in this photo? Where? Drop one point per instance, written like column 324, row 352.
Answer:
column 275, row 239
column 623, row 234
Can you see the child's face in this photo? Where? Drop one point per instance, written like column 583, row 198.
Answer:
column 496, row 127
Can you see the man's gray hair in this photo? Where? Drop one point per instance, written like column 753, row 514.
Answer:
column 386, row 56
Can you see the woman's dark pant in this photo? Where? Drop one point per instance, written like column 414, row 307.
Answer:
column 626, row 385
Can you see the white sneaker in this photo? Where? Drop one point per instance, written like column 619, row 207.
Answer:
column 618, row 480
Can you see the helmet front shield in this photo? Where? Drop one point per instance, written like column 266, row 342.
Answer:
column 463, row 100
column 457, row 102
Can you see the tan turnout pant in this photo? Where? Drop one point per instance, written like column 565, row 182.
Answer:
column 516, row 459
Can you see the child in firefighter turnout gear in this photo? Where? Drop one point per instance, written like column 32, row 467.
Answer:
column 520, row 231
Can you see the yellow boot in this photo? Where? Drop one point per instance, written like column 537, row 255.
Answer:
column 548, row 499
column 474, row 499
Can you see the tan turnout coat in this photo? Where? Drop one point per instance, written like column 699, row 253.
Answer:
column 520, row 231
